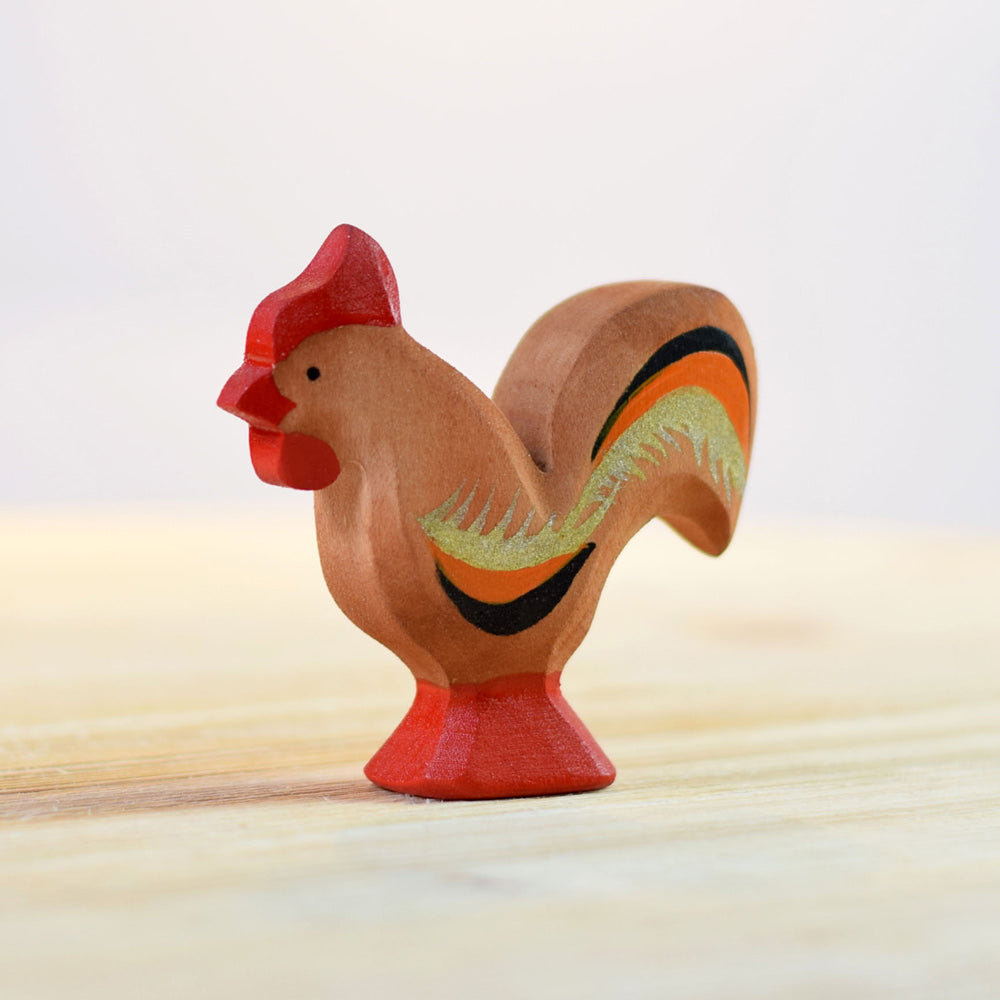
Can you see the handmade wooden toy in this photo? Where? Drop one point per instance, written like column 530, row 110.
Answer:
column 472, row 537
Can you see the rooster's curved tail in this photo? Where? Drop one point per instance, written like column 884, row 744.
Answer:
column 638, row 400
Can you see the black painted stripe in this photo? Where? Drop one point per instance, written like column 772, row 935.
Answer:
column 704, row 338
column 524, row 611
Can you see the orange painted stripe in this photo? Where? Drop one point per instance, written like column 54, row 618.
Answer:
column 711, row 371
column 496, row 586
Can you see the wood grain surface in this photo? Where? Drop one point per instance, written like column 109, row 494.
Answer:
column 807, row 735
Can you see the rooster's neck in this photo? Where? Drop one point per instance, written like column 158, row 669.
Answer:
column 421, row 429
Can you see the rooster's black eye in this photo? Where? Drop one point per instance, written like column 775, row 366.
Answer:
column 312, row 373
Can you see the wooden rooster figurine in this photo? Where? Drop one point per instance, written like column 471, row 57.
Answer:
column 473, row 537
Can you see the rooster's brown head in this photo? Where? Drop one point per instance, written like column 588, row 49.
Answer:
column 348, row 283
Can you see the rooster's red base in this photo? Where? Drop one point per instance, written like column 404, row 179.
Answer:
column 473, row 536
column 512, row 736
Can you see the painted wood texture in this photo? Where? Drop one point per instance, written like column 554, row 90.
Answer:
column 808, row 801
column 472, row 536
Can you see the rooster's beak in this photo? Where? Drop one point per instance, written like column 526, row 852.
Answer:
column 251, row 395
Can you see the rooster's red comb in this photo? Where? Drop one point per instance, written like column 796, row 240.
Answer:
column 349, row 281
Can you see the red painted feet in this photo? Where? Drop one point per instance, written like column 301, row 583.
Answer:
column 504, row 738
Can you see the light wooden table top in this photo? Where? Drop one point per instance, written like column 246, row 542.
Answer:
column 807, row 735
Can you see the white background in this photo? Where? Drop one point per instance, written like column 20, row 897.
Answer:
column 832, row 167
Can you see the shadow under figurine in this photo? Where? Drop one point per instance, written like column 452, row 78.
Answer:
column 471, row 536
